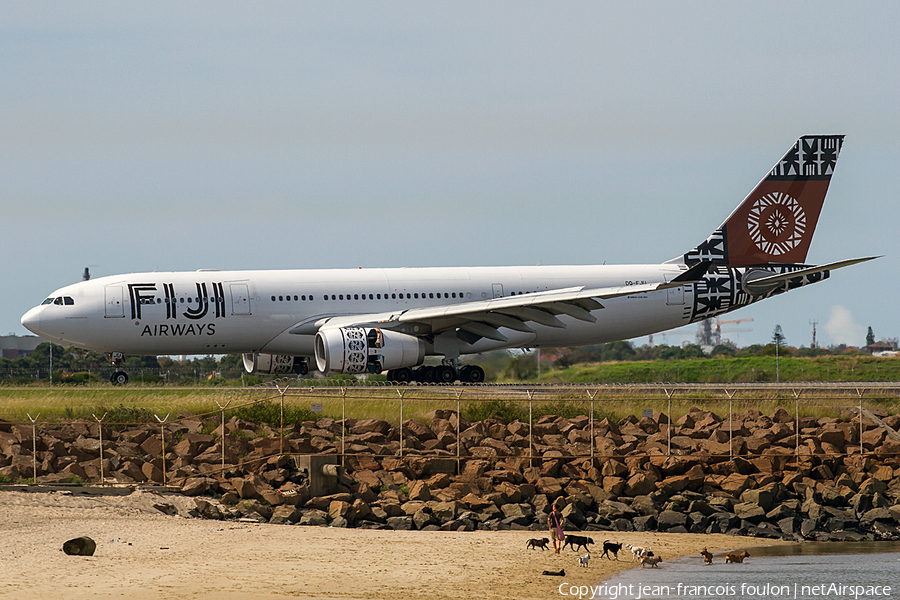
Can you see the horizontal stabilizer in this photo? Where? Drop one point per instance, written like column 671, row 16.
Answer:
column 758, row 282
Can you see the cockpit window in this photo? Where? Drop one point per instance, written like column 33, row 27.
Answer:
column 60, row 301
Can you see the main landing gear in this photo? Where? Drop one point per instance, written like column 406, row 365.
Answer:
column 437, row 374
column 119, row 377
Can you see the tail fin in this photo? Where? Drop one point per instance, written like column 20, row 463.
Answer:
column 776, row 221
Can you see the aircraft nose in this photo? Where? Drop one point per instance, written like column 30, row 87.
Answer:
column 32, row 320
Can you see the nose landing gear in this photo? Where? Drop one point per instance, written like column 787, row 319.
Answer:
column 119, row 377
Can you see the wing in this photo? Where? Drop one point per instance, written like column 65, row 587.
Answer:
column 483, row 319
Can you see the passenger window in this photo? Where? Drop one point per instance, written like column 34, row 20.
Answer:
column 431, row 295
column 356, row 296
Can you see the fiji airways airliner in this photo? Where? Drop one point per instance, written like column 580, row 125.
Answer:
column 377, row 320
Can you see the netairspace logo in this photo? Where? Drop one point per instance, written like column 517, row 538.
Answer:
column 762, row 591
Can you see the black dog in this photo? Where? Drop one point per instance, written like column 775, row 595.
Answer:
column 535, row 543
column 576, row 542
column 611, row 547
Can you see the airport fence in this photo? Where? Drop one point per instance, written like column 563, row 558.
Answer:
column 268, row 421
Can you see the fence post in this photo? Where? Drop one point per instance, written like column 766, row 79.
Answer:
column 162, row 430
column 860, row 392
column 731, row 422
column 669, row 426
column 281, row 440
column 100, row 429
column 343, row 423
column 797, row 424
column 591, row 396
column 222, row 407
column 403, row 393
column 459, row 394
column 34, row 445
column 531, row 428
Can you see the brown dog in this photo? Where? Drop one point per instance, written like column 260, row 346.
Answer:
column 534, row 543
column 650, row 560
column 707, row 556
column 732, row 557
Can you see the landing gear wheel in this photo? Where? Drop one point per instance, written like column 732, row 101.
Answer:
column 424, row 375
column 444, row 374
column 403, row 375
column 119, row 378
column 472, row 374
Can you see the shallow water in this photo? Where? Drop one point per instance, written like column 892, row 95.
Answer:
column 812, row 571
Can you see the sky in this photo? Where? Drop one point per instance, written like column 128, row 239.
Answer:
column 179, row 136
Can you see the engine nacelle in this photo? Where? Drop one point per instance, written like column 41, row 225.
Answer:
column 275, row 364
column 366, row 350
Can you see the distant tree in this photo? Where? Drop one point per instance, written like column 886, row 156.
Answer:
column 778, row 337
column 870, row 337
column 722, row 351
column 231, row 362
column 522, row 367
column 751, row 350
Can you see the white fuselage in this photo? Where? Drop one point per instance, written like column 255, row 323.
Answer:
column 225, row 312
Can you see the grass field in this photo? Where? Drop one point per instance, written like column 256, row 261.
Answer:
column 735, row 370
column 137, row 403
column 145, row 404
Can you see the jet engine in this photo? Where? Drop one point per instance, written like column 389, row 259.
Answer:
column 275, row 364
column 366, row 350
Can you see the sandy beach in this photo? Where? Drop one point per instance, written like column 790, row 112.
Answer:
column 142, row 553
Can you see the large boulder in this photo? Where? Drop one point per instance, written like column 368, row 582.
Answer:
column 669, row 519
column 750, row 511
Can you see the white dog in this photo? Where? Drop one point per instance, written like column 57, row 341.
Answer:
column 638, row 552
column 584, row 560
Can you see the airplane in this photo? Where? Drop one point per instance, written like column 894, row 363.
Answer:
column 360, row 321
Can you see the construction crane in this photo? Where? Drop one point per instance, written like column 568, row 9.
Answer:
column 717, row 335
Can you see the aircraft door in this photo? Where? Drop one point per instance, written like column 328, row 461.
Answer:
column 240, row 298
column 498, row 290
column 675, row 296
column 115, row 307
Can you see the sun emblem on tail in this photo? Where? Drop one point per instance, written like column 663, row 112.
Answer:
column 776, row 223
